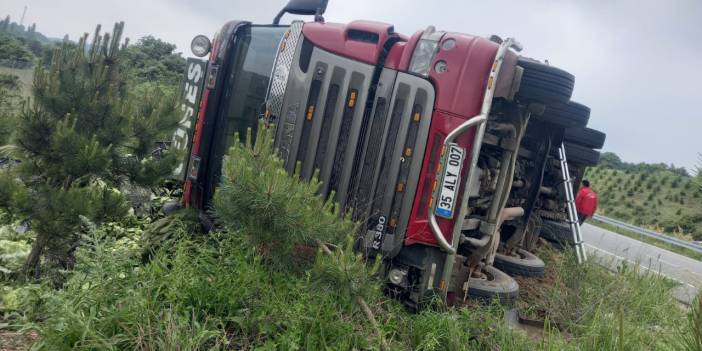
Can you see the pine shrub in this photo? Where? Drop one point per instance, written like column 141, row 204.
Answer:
column 277, row 213
column 84, row 135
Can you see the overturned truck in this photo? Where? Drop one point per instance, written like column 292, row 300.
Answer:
column 420, row 135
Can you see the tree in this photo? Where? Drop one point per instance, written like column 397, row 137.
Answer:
column 5, row 24
column 85, row 134
column 14, row 52
column 152, row 60
column 610, row 160
column 9, row 101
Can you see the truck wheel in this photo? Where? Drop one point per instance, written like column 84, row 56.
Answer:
column 568, row 115
column 581, row 155
column 544, row 83
column 524, row 264
column 495, row 284
column 586, row 137
column 558, row 233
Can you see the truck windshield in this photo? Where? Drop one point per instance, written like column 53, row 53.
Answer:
column 249, row 71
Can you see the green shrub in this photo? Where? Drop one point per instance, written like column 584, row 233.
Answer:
column 277, row 213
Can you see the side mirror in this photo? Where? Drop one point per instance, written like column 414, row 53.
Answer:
column 304, row 7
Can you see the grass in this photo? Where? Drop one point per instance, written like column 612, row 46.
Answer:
column 601, row 310
column 218, row 292
column 663, row 245
column 662, row 200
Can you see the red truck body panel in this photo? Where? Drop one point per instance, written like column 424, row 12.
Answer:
column 459, row 96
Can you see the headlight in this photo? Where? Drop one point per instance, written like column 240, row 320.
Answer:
column 424, row 52
column 200, row 46
column 398, row 277
column 422, row 56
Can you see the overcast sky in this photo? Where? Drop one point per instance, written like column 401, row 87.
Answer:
column 638, row 63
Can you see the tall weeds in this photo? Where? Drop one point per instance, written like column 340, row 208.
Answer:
column 631, row 309
column 690, row 334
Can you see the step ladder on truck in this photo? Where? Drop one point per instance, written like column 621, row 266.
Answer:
column 570, row 205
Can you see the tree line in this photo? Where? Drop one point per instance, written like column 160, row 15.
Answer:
column 613, row 161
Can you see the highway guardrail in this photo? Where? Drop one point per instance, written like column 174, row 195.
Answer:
column 649, row 233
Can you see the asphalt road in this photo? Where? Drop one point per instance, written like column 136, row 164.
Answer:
column 610, row 249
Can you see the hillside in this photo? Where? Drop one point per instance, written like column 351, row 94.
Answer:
column 656, row 196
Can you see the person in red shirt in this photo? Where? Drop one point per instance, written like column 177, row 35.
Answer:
column 585, row 202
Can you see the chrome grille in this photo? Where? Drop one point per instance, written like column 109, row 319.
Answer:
column 281, row 71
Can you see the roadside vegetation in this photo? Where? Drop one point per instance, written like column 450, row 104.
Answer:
column 655, row 196
column 230, row 290
column 113, row 273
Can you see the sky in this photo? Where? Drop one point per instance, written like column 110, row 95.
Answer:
column 638, row 63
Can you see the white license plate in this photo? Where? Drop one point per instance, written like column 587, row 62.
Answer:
column 450, row 182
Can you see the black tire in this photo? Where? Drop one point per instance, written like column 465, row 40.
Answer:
column 497, row 285
column 526, row 265
column 569, row 115
column 558, row 233
column 581, row 155
column 586, row 137
column 544, row 83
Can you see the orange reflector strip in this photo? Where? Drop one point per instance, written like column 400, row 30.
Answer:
column 442, row 285
column 494, row 66
column 267, row 114
column 287, row 34
column 310, row 112
column 490, row 83
column 408, row 152
column 352, row 99
column 393, row 222
column 431, row 202
column 400, row 187
column 443, row 150
column 282, row 46
column 417, row 116
column 438, row 168
column 433, row 187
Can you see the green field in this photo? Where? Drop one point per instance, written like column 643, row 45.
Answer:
column 660, row 200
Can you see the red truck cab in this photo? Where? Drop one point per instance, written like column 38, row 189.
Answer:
column 394, row 125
